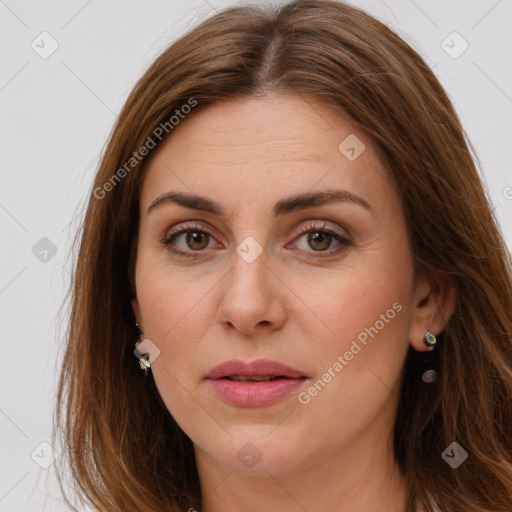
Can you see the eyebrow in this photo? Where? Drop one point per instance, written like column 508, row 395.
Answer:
column 282, row 207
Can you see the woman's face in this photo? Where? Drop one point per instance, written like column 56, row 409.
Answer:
column 287, row 242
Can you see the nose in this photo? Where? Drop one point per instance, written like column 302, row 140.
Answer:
column 252, row 299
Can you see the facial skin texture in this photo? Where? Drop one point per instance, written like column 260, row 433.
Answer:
column 335, row 452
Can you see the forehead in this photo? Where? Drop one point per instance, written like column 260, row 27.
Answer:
column 267, row 145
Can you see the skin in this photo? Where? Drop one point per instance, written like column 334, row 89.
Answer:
column 335, row 452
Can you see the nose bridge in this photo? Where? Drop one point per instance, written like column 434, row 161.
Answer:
column 248, row 278
column 249, row 298
column 251, row 241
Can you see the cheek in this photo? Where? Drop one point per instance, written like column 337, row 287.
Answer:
column 167, row 293
column 174, row 310
column 175, row 319
column 357, row 298
column 362, row 315
column 364, row 318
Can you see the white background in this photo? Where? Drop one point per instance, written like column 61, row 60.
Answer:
column 56, row 114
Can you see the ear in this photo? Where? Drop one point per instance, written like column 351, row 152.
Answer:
column 136, row 312
column 433, row 306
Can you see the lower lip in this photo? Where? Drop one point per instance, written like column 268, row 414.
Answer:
column 254, row 394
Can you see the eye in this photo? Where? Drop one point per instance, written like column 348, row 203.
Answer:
column 320, row 238
column 195, row 239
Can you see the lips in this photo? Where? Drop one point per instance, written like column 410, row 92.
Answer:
column 255, row 371
column 243, row 378
column 259, row 383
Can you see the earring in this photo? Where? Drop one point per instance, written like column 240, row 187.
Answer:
column 430, row 339
column 429, row 375
column 144, row 363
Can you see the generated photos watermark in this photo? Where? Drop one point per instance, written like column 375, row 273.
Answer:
column 137, row 156
column 343, row 360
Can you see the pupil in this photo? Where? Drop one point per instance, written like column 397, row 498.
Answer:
column 195, row 237
column 318, row 236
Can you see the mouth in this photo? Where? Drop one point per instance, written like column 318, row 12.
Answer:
column 255, row 371
column 245, row 378
column 258, row 383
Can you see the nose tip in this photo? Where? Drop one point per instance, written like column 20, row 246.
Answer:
column 250, row 300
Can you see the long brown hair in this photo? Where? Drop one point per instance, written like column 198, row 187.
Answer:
column 123, row 448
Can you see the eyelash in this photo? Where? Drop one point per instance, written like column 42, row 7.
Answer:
column 167, row 240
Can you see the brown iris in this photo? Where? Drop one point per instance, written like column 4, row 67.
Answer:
column 319, row 237
column 194, row 237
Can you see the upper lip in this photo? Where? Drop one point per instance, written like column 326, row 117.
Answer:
column 258, row 368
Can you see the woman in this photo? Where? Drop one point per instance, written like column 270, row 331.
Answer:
column 290, row 292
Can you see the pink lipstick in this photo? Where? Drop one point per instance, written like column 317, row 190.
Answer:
column 256, row 384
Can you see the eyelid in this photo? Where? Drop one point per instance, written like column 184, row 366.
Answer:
column 303, row 228
column 323, row 225
column 189, row 225
column 343, row 237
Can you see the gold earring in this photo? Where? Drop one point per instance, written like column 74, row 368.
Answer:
column 144, row 363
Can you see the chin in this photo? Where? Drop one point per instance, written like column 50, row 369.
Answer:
column 258, row 454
